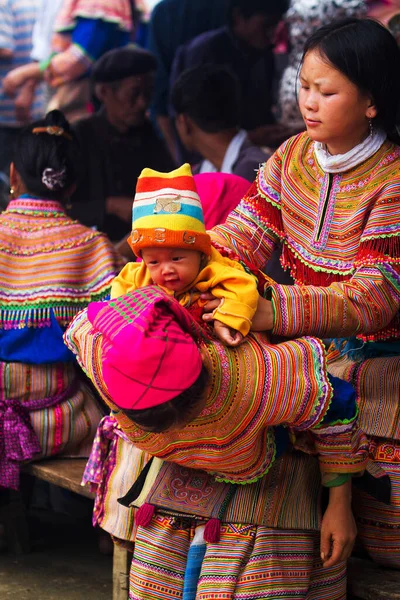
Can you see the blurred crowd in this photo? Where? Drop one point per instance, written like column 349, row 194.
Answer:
column 150, row 83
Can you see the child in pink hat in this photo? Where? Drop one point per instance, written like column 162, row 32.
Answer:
column 201, row 404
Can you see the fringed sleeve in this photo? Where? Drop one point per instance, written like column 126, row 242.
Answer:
column 365, row 304
column 255, row 227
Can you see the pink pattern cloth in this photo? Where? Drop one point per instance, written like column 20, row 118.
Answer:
column 219, row 193
column 101, row 463
column 146, row 334
column 18, row 440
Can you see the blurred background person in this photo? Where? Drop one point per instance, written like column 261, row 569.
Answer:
column 84, row 30
column 206, row 102
column 302, row 19
column 173, row 23
column 117, row 142
column 245, row 45
column 17, row 18
column 51, row 268
column 143, row 10
column 383, row 10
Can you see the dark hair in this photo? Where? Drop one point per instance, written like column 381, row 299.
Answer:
column 248, row 8
column 209, row 95
column 164, row 416
column 368, row 55
column 48, row 164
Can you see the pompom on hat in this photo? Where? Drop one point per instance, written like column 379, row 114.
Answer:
column 149, row 352
column 167, row 212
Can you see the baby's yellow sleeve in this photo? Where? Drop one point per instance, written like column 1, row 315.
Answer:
column 134, row 275
column 236, row 288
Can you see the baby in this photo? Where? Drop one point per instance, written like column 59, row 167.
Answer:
column 168, row 233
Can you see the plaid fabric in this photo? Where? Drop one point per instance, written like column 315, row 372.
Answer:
column 146, row 333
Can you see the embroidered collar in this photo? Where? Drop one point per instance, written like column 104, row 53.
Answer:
column 339, row 163
column 28, row 205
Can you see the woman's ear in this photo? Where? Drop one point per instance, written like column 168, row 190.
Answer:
column 16, row 184
column 371, row 111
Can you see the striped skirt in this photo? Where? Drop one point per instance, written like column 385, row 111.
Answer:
column 378, row 524
column 45, row 410
column 249, row 563
column 377, row 382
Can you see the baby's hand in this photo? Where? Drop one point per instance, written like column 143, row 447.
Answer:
column 227, row 335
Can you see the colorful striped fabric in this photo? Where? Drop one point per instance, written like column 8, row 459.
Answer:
column 288, row 497
column 50, row 268
column 248, row 563
column 233, row 436
column 113, row 465
column 17, row 21
column 346, row 265
column 379, row 524
column 343, row 250
column 63, row 414
column 50, row 265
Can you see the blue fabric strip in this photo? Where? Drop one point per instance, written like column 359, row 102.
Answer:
column 343, row 405
column 148, row 211
column 192, row 571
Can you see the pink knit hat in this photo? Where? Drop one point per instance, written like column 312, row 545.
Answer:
column 149, row 351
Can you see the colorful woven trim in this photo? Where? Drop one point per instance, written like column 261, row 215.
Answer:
column 318, row 230
column 64, row 264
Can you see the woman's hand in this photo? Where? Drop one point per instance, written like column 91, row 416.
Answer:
column 338, row 529
column 211, row 304
column 263, row 319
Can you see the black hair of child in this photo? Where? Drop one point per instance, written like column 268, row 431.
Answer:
column 209, row 95
column 159, row 419
column 36, row 152
column 368, row 55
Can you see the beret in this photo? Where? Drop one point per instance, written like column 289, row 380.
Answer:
column 123, row 62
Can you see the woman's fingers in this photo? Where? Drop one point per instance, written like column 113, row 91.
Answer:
column 211, row 304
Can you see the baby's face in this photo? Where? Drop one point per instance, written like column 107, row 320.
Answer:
column 172, row 268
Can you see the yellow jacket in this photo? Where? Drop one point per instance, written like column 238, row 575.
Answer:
column 225, row 278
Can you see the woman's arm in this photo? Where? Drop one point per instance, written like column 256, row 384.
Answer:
column 90, row 39
column 338, row 529
column 366, row 303
column 255, row 227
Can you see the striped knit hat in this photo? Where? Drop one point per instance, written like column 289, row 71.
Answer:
column 167, row 212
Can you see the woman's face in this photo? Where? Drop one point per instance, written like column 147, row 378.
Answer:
column 334, row 110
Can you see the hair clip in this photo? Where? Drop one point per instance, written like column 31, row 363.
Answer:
column 53, row 130
column 54, row 180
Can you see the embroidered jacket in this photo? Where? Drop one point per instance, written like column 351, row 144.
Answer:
column 51, row 267
column 341, row 241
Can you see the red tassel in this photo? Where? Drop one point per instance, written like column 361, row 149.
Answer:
column 212, row 531
column 144, row 515
column 305, row 275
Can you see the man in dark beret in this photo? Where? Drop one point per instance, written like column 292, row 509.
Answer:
column 118, row 141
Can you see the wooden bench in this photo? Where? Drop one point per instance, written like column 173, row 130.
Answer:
column 67, row 473
column 368, row 581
